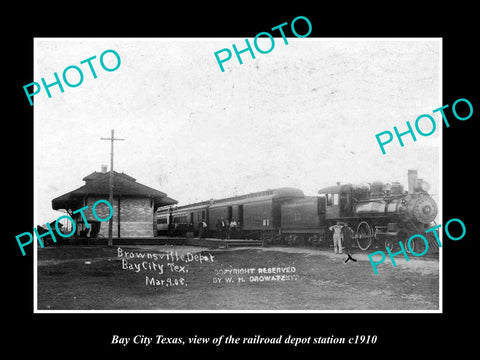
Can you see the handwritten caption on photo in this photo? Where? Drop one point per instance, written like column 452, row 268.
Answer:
column 171, row 264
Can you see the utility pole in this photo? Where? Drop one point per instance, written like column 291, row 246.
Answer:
column 110, row 195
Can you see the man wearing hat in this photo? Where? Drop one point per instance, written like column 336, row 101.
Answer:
column 347, row 233
column 337, row 237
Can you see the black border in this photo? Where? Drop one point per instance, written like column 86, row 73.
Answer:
column 90, row 334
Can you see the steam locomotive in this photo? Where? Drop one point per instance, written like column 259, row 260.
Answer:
column 379, row 214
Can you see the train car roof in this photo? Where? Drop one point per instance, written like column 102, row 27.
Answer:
column 259, row 196
column 330, row 190
column 335, row 189
column 185, row 208
column 240, row 199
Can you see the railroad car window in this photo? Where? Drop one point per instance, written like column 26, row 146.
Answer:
column 181, row 219
column 162, row 221
column 329, row 199
column 297, row 216
column 335, row 199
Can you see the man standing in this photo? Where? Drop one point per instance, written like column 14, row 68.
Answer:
column 221, row 228
column 232, row 228
column 202, row 229
column 337, row 237
column 347, row 233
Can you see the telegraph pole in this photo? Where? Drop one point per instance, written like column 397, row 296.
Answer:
column 110, row 195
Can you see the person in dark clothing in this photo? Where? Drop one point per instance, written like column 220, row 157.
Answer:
column 202, row 229
column 347, row 233
column 226, row 229
column 221, row 228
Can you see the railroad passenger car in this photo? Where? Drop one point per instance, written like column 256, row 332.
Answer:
column 177, row 221
column 257, row 214
column 163, row 221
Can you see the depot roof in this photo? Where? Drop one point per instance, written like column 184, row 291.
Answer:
column 98, row 184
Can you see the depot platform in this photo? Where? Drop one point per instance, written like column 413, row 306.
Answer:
column 164, row 240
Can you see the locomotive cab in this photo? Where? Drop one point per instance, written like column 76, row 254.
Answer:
column 338, row 201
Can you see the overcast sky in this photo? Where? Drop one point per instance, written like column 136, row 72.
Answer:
column 304, row 115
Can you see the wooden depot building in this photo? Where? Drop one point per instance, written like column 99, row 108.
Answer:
column 134, row 205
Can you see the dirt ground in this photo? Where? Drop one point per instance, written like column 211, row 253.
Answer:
column 193, row 278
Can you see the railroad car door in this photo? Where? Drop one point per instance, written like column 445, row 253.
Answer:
column 275, row 214
column 237, row 214
column 240, row 215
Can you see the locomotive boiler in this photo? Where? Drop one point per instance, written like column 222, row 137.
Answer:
column 390, row 214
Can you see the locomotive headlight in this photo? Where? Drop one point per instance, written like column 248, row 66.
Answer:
column 425, row 186
column 421, row 186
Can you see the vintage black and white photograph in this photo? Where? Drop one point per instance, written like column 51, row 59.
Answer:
column 204, row 175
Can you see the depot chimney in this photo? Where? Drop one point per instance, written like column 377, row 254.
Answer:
column 104, row 169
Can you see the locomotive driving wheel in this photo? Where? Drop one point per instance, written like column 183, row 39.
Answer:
column 390, row 242
column 364, row 235
column 417, row 246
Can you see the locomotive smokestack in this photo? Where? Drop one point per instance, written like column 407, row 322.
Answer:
column 412, row 181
